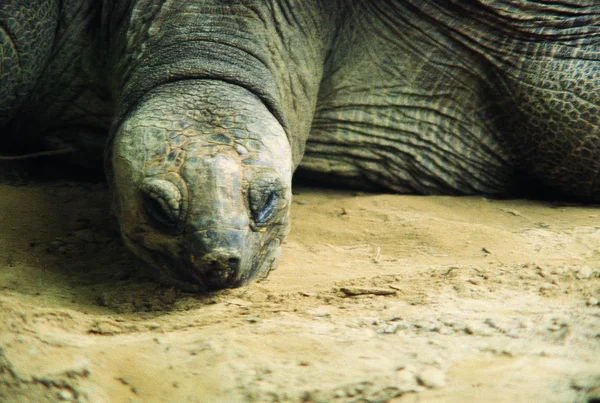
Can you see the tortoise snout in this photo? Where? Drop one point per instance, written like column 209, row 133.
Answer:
column 220, row 268
column 222, row 260
column 217, row 255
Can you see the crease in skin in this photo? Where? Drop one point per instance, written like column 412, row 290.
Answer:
column 378, row 122
column 9, row 37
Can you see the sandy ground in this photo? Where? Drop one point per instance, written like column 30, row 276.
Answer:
column 378, row 298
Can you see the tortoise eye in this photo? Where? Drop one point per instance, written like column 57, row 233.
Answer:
column 264, row 200
column 161, row 203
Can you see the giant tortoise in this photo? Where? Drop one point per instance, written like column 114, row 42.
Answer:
column 203, row 109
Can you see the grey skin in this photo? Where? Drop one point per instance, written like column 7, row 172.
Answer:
column 207, row 107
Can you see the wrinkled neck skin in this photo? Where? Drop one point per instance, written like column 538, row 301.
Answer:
column 274, row 49
column 214, row 105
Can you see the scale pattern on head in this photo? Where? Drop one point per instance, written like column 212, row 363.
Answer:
column 202, row 175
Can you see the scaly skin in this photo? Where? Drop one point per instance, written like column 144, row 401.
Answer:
column 462, row 97
column 27, row 31
column 210, row 106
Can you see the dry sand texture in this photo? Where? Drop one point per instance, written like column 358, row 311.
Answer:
column 378, row 298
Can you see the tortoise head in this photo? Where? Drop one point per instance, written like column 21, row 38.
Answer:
column 202, row 172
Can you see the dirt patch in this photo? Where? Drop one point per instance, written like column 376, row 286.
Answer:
column 378, row 298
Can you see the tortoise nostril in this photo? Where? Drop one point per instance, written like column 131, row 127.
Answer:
column 221, row 260
column 225, row 260
column 220, row 269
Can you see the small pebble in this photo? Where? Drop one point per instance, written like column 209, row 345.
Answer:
column 478, row 329
column 406, row 381
column 65, row 394
column 320, row 312
column 593, row 301
column 390, row 329
column 432, row 378
column 584, row 273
